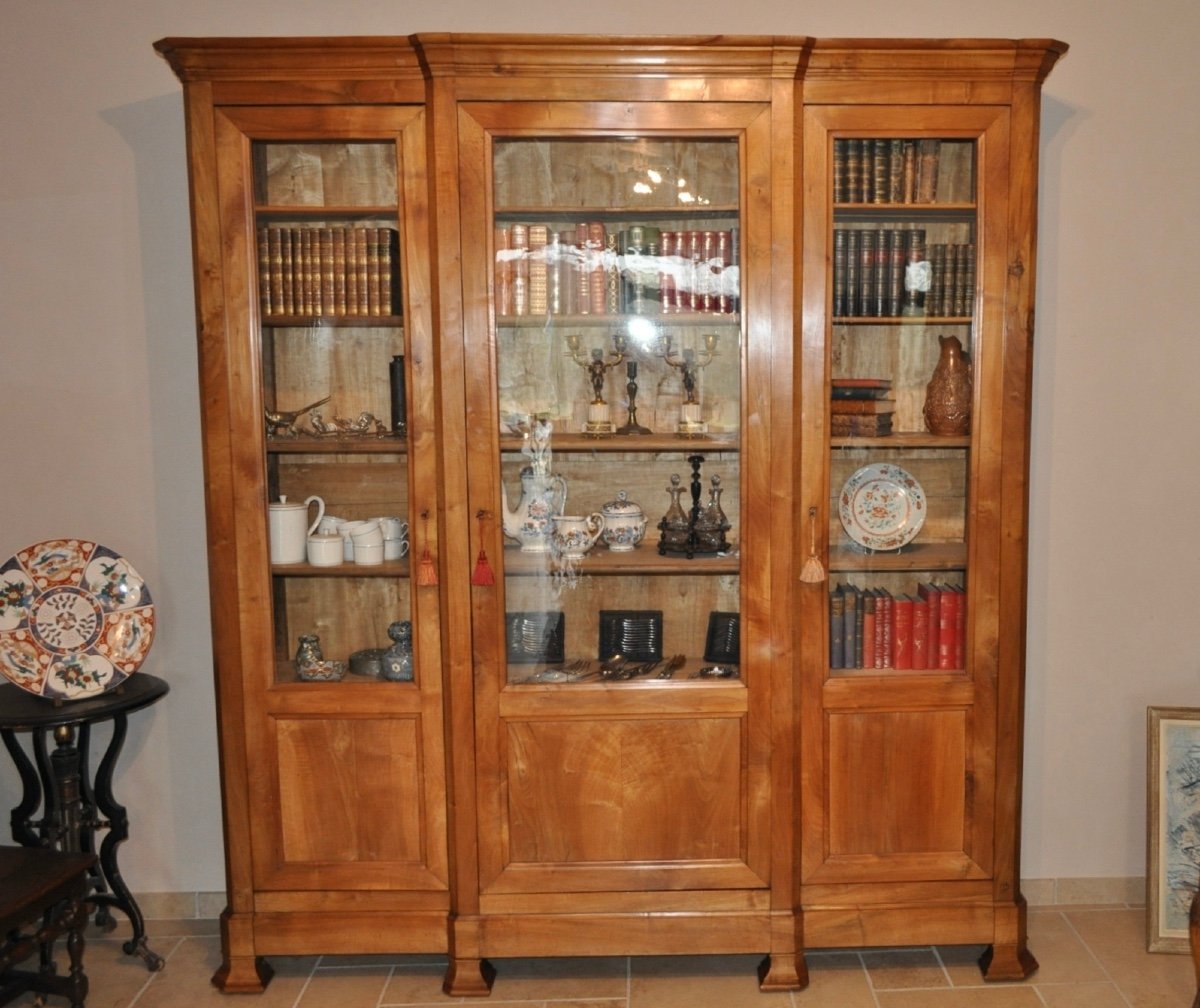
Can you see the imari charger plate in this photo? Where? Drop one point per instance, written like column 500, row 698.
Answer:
column 76, row 619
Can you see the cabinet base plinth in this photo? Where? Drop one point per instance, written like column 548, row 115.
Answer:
column 469, row 978
column 783, row 973
column 243, row 975
column 1007, row 962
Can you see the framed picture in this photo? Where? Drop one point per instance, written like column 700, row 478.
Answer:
column 1173, row 824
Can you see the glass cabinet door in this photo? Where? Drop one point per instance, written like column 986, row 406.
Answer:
column 910, row 331
column 340, row 640
column 618, row 362
column 904, row 280
column 608, row 482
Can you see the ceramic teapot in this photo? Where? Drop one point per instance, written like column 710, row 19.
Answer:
column 289, row 528
column 542, row 496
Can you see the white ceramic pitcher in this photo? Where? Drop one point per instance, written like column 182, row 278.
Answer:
column 290, row 528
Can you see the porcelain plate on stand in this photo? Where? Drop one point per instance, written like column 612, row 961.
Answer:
column 882, row 507
column 75, row 619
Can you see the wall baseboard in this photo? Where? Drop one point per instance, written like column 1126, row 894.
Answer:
column 1119, row 891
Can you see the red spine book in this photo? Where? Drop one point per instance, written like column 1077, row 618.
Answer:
column 947, row 621
column 920, row 633
column 960, row 628
column 883, row 653
column 931, row 595
column 902, row 649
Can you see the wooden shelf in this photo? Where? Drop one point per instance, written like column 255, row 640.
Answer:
column 903, row 320
column 306, row 210
column 915, row 556
column 387, row 569
column 903, row 440
column 334, row 445
column 332, row 321
column 697, row 319
column 607, row 213
column 639, row 443
column 604, row 562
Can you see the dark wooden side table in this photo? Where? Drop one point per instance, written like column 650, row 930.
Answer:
column 75, row 804
column 42, row 896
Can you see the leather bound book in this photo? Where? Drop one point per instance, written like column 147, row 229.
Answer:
column 937, row 269
column 263, row 264
column 883, row 650
column 325, row 251
column 853, row 263
column 866, row 272
column 927, row 170
column 920, row 633
column 339, row 271
column 947, row 622
column 595, row 265
column 897, row 262
column 502, row 291
column 374, row 306
column 880, row 163
column 868, row 628
column 275, row 270
column 839, row 171
column 837, row 610
column 841, row 425
column 389, row 286
column 839, row 272
column 932, row 596
column 895, row 171
column 909, row 182
column 853, row 171
column 902, row 641
column 860, row 406
column 362, row 246
column 539, row 235
column 351, row 254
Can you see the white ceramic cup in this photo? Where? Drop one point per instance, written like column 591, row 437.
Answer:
column 393, row 528
column 394, row 549
column 325, row 549
column 367, row 534
column 346, row 529
column 368, row 554
column 329, row 523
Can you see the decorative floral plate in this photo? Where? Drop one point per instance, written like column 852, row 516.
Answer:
column 75, row 619
column 882, row 507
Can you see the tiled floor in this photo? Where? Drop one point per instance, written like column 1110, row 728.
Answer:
column 1090, row 958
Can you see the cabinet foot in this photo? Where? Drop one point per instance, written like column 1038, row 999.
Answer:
column 469, row 978
column 783, row 972
column 1007, row 962
column 243, row 975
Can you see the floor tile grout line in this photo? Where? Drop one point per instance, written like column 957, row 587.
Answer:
column 152, row 974
column 1095, row 958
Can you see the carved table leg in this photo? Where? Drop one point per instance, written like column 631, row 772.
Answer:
column 118, row 832
column 31, row 794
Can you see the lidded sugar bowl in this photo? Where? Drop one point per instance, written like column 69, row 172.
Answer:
column 624, row 523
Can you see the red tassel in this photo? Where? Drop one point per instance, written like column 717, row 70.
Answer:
column 482, row 574
column 426, row 568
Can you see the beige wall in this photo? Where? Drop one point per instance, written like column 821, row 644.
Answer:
column 98, row 411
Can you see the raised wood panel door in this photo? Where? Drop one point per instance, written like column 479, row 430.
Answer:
column 651, row 775
column 324, row 230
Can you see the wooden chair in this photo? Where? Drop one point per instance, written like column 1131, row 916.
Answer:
column 43, row 895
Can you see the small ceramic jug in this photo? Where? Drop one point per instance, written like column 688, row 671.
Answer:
column 574, row 535
column 289, row 528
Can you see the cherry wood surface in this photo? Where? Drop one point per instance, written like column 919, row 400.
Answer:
column 480, row 814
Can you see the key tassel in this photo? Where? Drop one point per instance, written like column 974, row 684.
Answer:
column 426, row 568
column 483, row 575
column 812, row 572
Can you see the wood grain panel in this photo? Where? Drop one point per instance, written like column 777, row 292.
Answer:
column 897, row 782
column 349, row 789
column 636, row 790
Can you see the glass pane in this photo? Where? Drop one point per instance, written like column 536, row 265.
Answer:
column 334, row 386
column 618, row 345
column 903, row 301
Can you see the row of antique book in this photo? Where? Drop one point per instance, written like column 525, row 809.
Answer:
column 861, row 407
column 328, row 270
column 872, row 628
column 889, row 271
column 887, row 170
column 594, row 269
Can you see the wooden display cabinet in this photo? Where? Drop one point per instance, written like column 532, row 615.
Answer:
column 911, row 738
column 614, row 262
